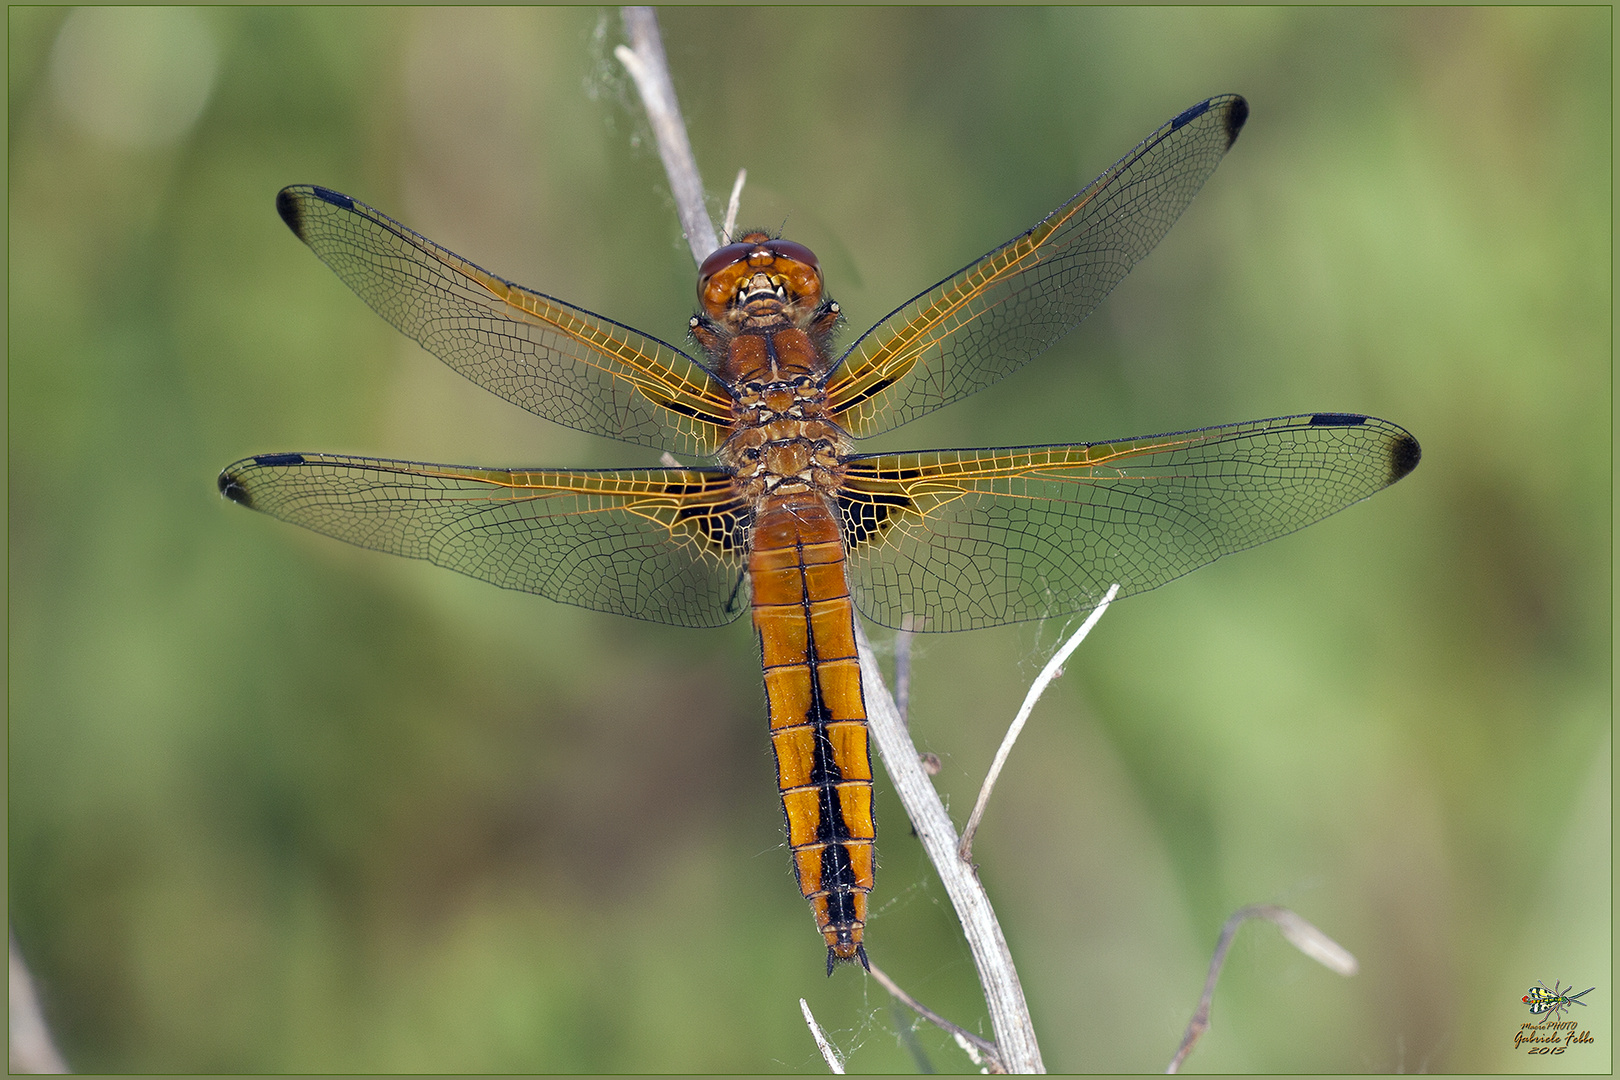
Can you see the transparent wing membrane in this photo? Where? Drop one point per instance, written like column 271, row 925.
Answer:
column 556, row 360
column 1001, row 311
column 961, row 539
column 666, row 545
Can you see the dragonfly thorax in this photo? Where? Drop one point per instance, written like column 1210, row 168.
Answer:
column 787, row 448
column 797, row 398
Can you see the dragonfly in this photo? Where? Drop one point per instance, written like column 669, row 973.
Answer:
column 1554, row 1000
column 773, row 512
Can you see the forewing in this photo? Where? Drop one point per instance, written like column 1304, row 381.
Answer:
column 1001, row 311
column 957, row 539
column 666, row 545
column 556, row 360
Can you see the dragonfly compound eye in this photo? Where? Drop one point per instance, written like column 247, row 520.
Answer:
column 792, row 267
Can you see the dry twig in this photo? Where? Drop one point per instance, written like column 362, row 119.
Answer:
column 960, row 1034
column 1053, row 668
column 648, row 66
column 728, row 231
column 1009, row 1013
column 835, row 1064
column 1301, row 934
column 902, row 671
column 32, row 1050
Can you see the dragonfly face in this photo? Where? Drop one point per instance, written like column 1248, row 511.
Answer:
column 783, row 518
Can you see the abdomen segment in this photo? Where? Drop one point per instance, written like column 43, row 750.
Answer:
column 806, row 626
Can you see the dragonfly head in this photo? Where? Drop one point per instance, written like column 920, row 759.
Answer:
column 758, row 268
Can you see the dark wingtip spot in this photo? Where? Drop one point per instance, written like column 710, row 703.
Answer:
column 1236, row 117
column 1237, row 113
column 279, row 459
column 291, row 209
column 293, row 214
column 1190, row 115
column 1337, row 419
column 232, row 489
column 1404, row 457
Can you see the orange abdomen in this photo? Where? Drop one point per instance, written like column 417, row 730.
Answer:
column 806, row 626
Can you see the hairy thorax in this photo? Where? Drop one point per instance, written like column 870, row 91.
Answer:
column 766, row 326
column 784, row 444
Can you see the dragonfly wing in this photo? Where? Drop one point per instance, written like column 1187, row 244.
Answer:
column 666, row 545
column 556, row 360
column 958, row 539
column 998, row 313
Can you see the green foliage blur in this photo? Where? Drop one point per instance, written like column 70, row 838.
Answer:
column 280, row 804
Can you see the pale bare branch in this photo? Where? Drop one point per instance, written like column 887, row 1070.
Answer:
column 648, row 66
column 902, row 671
column 728, row 232
column 1311, row 941
column 961, row 1034
column 32, row 1050
column 835, row 1065
column 1053, row 668
column 1301, row 934
column 903, row 639
column 1009, row 1013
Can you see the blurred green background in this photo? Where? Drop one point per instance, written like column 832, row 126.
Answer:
column 280, row 804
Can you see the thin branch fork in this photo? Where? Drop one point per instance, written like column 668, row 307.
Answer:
column 1299, row 933
column 1016, row 1047
column 962, row 1035
column 979, row 926
column 1053, row 668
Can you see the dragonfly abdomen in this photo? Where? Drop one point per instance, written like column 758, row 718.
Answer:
column 806, row 625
